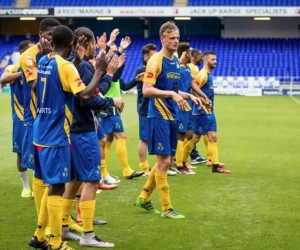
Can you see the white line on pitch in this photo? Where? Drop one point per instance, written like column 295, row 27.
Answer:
column 295, row 100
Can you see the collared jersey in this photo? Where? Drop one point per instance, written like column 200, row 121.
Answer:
column 28, row 63
column 16, row 92
column 204, row 81
column 185, row 84
column 164, row 74
column 194, row 69
column 57, row 83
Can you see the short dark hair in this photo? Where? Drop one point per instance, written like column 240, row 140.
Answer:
column 48, row 22
column 195, row 51
column 62, row 36
column 182, row 48
column 83, row 31
column 148, row 47
column 208, row 52
column 25, row 44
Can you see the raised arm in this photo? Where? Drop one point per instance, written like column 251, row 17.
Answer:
column 9, row 75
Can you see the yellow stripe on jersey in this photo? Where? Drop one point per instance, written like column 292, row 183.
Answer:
column 187, row 106
column 19, row 110
column 18, row 104
column 163, row 110
column 68, row 121
column 33, row 104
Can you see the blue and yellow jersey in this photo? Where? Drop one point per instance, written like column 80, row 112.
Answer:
column 204, row 81
column 194, row 69
column 57, row 83
column 16, row 92
column 28, row 64
column 185, row 84
column 164, row 74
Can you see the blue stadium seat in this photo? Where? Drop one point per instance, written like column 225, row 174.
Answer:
column 36, row 3
column 244, row 3
column 7, row 3
column 241, row 57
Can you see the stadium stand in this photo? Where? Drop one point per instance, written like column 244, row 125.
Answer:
column 236, row 57
column 35, row 3
column 7, row 3
column 244, row 3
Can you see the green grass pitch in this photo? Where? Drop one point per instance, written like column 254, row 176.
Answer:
column 257, row 207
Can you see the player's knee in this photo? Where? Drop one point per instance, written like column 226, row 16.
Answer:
column 120, row 135
column 56, row 189
column 102, row 142
column 163, row 165
column 212, row 138
column 195, row 139
column 181, row 136
column 93, row 186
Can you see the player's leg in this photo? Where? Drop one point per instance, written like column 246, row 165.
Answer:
column 69, row 225
column 121, row 149
column 182, row 127
column 87, row 171
column 183, row 121
column 213, row 147
column 199, row 129
column 142, row 147
column 28, row 161
column 39, row 240
column 109, row 182
column 205, row 141
column 77, row 198
column 56, row 172
column 109, row 138
column 166, row 144
column 179, row 151
column 102, row 142
column 143, row 201
column 107, row 127
column 188, row 137
column 17, row 137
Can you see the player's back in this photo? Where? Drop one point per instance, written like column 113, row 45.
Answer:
column 204, row 81
column 164, row 74
column 185, row 84
column 16, row 92
column 28, row 64
column 55, row 101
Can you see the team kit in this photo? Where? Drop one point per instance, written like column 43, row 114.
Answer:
column 66, row 109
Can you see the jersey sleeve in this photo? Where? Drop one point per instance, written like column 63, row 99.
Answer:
column 194, row 70
column 70, row 79
column 201, row 79
column 29, row 67
column 153, row 69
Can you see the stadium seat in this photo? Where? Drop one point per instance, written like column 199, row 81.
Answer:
column 7, row 3
column 244, row 3
column 238, row 58
column 36, row 3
